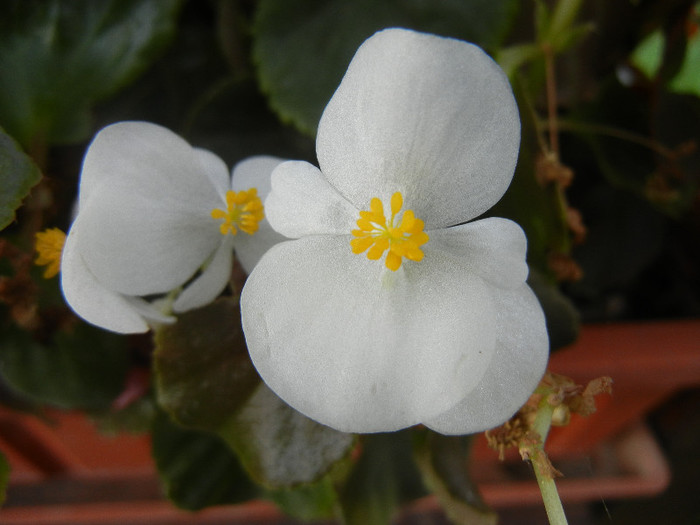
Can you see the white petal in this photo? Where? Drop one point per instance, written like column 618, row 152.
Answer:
column 138, row 252
column 359, row 348
column 147, row 197
column 251, row 248
column 493, row 248
column 521, row 357
column 217, row 172
column 212, row 281
column 153, row 313
column 432, row 117
column 90, row 299
column 140, row 158
column 255, row 172
column 302, row 202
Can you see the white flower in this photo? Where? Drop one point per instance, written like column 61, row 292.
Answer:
column 145, row 226
column 444, row 331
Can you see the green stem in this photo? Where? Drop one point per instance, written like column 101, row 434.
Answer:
column 622, row 134
column 545, row 480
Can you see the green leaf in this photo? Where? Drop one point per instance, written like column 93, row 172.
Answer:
column 675, row 123
column 82, row 369
column 307, row 502
column 642, row 144
column 557, row 28
column 648, row 58
column 254, row 130
column 136, row 418
column 383, row 478
column 4, row 477
column 625, row 236
column 648, row 55
column 563, row 318
column 302, row 47
column 17, row 176
column 202, row 369
column 443, row 460
column 687, row 80
column 511, row 58
column 58, row 57
column 205, row 380
column 279, row 447
column 197, row 469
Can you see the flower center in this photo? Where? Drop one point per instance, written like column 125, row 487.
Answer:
column 244, row 210
column 376, row 235
column 49, row 246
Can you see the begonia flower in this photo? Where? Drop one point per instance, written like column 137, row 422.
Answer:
column 156, row 226
column 389, row 308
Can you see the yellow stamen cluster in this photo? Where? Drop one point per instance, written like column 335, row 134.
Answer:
column 244, row 210
column 49, row 246
column 376, row 235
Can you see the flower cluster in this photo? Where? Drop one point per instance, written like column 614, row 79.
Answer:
column 147, row 240
column 374, row 300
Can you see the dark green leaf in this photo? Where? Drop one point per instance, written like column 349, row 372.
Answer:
column 511, row 58
column 383, row 478
column 136, row 418
column 202, row 369
column 206, row 380
column 17, row 176
column 675, row 123
column 559, row 29
column 642, row 144
column 236, row 122
column 58, row 57
column 616, row 114
column 625, row 236
column 314, row 501
column 197, row 469
column 83, row 369
column 303, row 47
column 687, row 80
column 563, row 319
column 443, row 460
column 279, row 447
column 648, row 54
column 4, row 477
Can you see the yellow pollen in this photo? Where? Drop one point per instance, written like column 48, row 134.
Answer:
column 244, row 210
column 49, row 246
column 376, row 235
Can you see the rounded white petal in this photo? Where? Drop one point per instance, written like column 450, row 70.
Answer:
column 91, row 300
column 254, row 172
column 520, row 360
column 149, row 160
column 212, row 281
column 138, row 252
column 146, row 196
column 251, row 248
column 216, row 170
column 431, row 117
column 152, row 312
column 360, row 348
column 493, row 248
column 302, row 202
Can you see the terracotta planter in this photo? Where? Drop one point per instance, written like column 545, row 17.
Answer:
column 58, row 470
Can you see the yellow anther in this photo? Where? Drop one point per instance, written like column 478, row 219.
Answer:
column 376, row 235
column 49, row 246
column 244, row 210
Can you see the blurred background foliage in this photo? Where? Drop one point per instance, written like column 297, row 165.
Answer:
column 606, row 188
